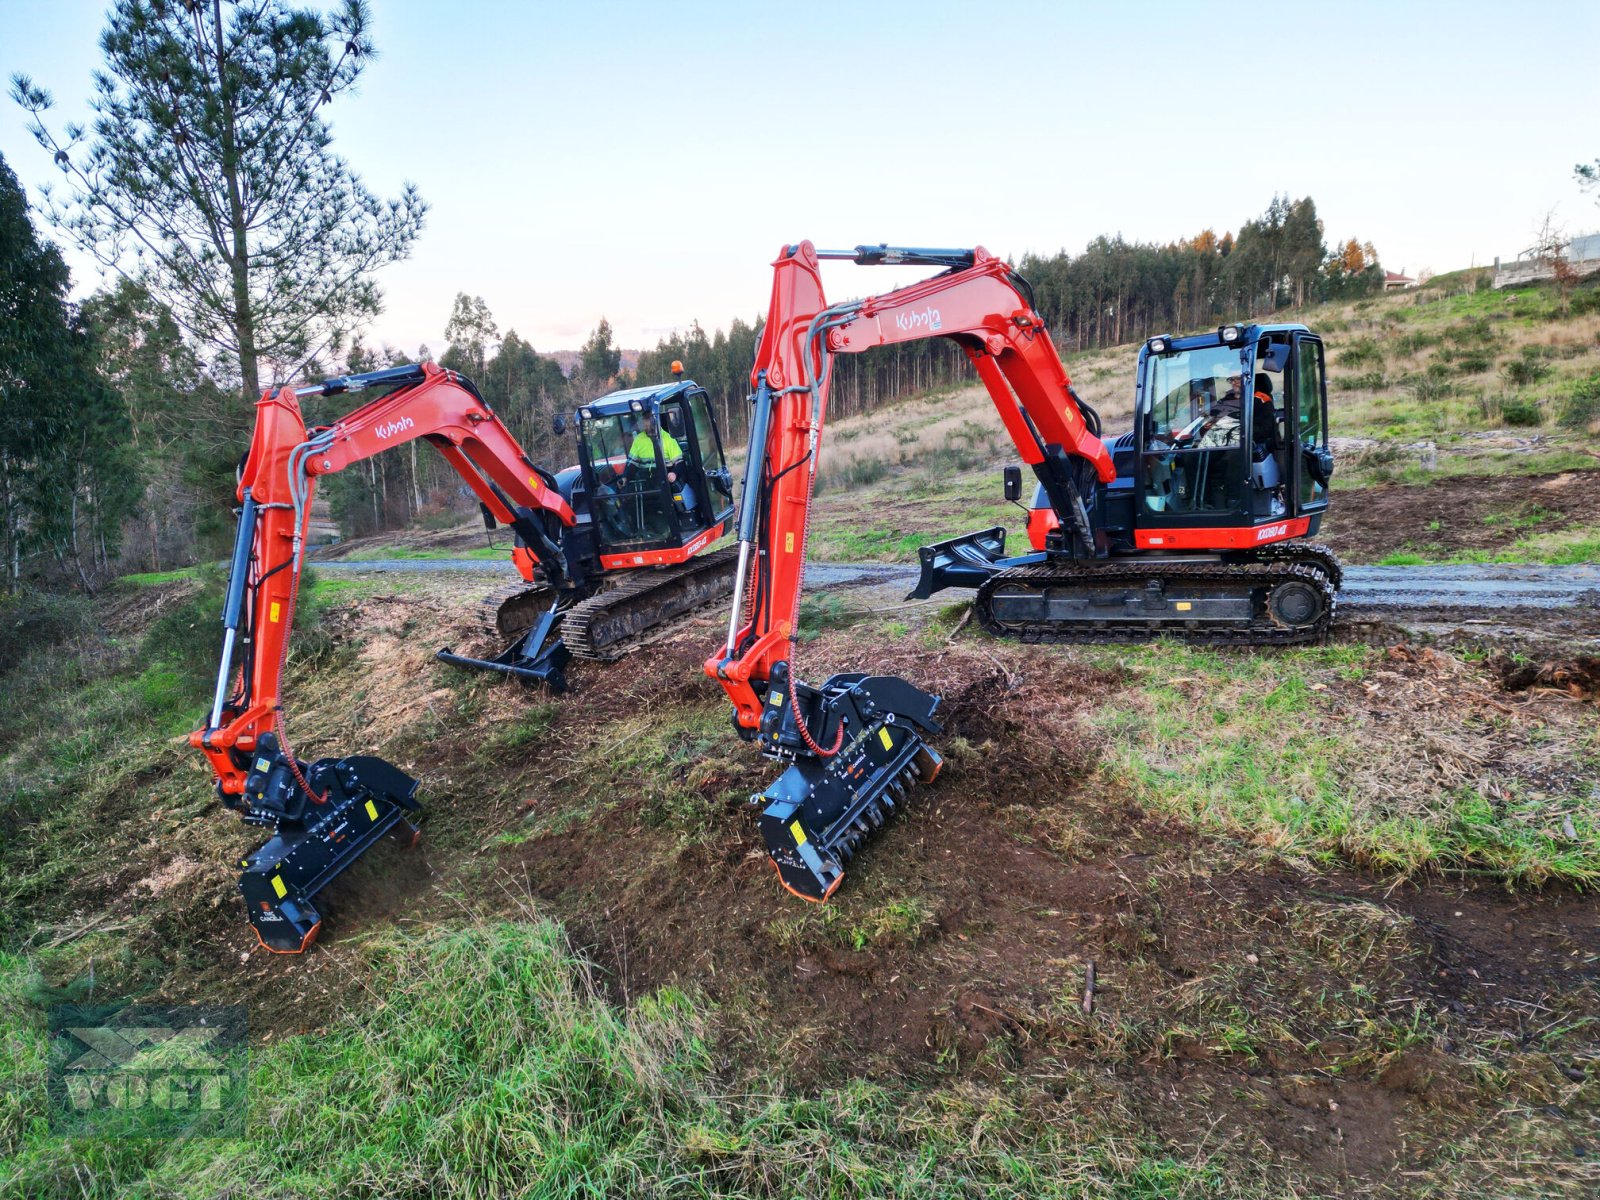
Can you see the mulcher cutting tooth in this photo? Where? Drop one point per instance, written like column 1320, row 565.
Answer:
column 822, row 810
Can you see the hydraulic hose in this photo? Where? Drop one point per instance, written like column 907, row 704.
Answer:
column 299, row 488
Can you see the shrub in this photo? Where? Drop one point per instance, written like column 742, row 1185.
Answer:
column 1583, row 405
column 1430, row 387
column 1371, row 381
column 1518, row 412
column 1360, row 351
column 1474, row 362
column 1420, row 340
column 1470, row 333
column 853, row 474
column 1523, row 371
column 1584, row 302
column 38, row 620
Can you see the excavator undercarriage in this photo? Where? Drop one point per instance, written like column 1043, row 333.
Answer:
column 1284, row 593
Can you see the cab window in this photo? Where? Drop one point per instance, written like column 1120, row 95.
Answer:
column 1308, row 415
column 1194, row 398
column 705, row 435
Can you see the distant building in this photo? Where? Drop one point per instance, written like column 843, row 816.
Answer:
column 1582, row 252
column 1394, row 283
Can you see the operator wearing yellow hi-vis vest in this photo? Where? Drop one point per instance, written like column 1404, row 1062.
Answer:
column 642, row 459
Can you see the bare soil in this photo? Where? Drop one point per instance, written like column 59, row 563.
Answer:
column 1448, row 516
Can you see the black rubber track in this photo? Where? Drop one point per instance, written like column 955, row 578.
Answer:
column 1266, row 567
column 646, row 603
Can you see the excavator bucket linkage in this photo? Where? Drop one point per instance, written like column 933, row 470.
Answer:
column 362, row 800
column 820, row 811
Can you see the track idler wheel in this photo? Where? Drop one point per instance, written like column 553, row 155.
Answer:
column 822, row 810
column 1296, row 604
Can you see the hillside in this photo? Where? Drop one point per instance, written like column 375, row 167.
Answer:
column 1338, row 903
column 1450, row 385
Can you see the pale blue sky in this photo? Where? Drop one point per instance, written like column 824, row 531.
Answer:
column 646, row 160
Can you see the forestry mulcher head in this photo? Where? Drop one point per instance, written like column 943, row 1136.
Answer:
column 353, row 802
column 870, row 732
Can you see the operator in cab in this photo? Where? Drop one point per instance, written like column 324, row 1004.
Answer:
column 642, row 459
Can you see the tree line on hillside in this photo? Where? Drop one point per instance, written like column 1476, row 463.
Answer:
column 119, row 438
column 243, row 251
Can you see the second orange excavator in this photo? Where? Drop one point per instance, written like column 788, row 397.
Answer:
column 649, row 494
column 1193, row 524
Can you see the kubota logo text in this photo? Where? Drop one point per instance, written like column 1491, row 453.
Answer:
column 928, row 318
column 1271, row 531
column 394, row 427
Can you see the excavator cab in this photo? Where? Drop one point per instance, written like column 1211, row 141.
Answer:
column 653, row 472
column 1229, row 439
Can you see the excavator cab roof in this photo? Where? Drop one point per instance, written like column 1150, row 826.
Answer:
column 644, row 397
column 1238, row 336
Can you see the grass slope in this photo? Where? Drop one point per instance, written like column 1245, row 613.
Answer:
column 1329, row 895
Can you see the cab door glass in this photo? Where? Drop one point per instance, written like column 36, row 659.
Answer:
column 1309, row 430
column 1193, row 432
column 705, row 434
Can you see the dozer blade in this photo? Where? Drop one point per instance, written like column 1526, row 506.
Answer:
column 821, row 810
column 312, row 844
column 966, row 562
column 539, row 656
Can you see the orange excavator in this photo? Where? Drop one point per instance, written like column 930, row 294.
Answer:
column 649, row 493
column 1192, row 525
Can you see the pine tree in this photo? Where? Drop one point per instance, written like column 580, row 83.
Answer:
column 210, row 179
column 598, row 362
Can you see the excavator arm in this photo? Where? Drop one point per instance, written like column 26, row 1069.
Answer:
column 325, row 815
column 855, row 742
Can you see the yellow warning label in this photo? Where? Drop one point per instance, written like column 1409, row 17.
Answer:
column 274, row 612
column 533, row 483
column 788, row 542
column 799, row 833
column 277, row 886
column 883, row 736
column 775, row 699
column 372, row 811
column 1184, row 606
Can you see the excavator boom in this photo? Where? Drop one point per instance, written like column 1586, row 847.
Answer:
column 857, row 741
column 324, row 815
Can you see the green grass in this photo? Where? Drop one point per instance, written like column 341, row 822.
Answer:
column 157, row 578
column 866, row 545
column 411, row 553
column 1262, row 753
column 1574, row 546
column 484, row 1062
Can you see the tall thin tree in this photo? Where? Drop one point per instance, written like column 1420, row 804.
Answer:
column 208, row 174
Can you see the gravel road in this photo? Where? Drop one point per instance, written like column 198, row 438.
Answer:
column 1488, row 586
